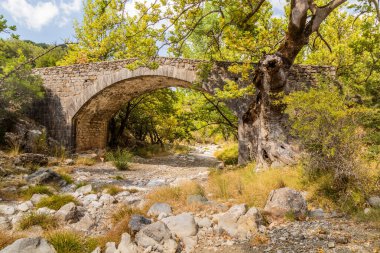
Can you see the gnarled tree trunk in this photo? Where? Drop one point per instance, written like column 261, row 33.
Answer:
column 264, row 130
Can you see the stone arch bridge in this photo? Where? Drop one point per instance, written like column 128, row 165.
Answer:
column 82, row 98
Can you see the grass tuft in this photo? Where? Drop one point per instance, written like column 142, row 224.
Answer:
column 45, row 221
column 113, row 189
column 37, row 189
column 120, row 158
column 85, row 161
column 71, row 242
column 7, row 238
column 55, row 202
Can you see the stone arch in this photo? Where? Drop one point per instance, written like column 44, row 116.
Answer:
column 104, row 98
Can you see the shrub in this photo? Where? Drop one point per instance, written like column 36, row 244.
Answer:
column 55, row 202
column 120, row 158
column 38, row 219
column 37, row 189
column 328, row 129
column 229, row 154
column 71, row 242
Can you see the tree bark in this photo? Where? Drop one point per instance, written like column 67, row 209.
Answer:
column 264, row 131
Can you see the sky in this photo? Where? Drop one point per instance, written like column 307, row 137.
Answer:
column 51, row 21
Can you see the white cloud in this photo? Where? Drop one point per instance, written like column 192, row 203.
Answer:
column 34, row 16
column 69, row 7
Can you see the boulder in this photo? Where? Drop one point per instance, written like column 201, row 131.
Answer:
column 89, row 198
column 84, row 190
column 29, row 245
column 228, row 220
column 203, row 222
column 248, row 224
column 374, row 201
column 153, row 235
column 284, row 200
column 97, row 250
column 7, row 209
column 45, row 210
column 190, row 243
column 85, row 223
column 197, row 199
column 156, row 182
column 107, row 199
column 126, row 245
column 46, row 176
column 182, row 225
column 25, row 206
column 317, row 213
column 137, row 222
column 158, row 208
column 31, row 159
column 69, row 212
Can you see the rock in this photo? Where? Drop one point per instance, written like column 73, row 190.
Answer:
column 84, row 189
column 190, row 243
column 284, row 200
column 203, row 222
column 153, row 235
column 182, row 225
column 110, row 247
column 331, row 245
column 31, row 159
column 228, row 221
column 46, row 176
column 4, row 223
column 249, row 223
column 107, row 199
column 367, row 210
column 374, row 201
column 156, row 182
column 158, row 208
column 68, row 162
column 85, row 223
column 7, row 209
column 126, row 245
column 37, row 198
column 45, row 210
column 29, row 245
column 317, row 213
column 97, row 250
column 25, row 206
column 137, row 222
column 68, row 212
column 198, row 199
column 170, row 246
column 89, row 198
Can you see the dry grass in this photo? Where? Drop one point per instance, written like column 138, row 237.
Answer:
column 244, row 185
column 14, row 151
column 177, row 197
column 85, row 161
column 259, row 239
column 7, row 238
column 45, row 221
column 37, row 189
column 65, row 170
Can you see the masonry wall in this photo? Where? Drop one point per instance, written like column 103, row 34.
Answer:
column 71, row 89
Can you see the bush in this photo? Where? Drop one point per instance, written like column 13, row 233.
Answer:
column 328, row 128
column 55, row 202
column 229, row 154
column 38, row 219
column 120, row 158
column 71, row 242
column 37, row 189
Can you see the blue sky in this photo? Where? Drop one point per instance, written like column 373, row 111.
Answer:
column 51, row 21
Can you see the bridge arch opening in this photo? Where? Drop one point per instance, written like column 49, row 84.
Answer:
column 91, row 124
